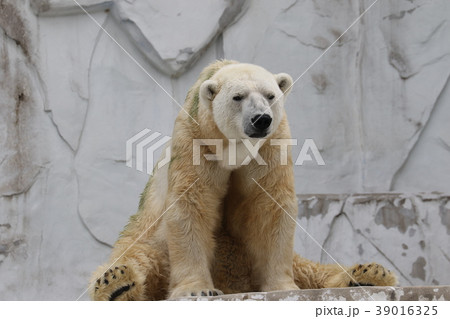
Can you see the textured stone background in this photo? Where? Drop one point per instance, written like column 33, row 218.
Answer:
column 441, row 293
column 376, row 105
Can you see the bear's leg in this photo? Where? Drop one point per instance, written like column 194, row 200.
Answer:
column 311, row 275
column 135, row 272
column 191, row 223
column 231, row 268
column 271, row 252
column 267, row 231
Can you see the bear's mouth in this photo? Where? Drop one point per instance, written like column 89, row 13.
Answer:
column 258, row 134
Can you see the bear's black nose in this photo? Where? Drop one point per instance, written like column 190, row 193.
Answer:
column 261, row 121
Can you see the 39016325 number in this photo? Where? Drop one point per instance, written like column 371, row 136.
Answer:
column 407, row 310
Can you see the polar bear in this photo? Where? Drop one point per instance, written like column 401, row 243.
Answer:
column 220, row 218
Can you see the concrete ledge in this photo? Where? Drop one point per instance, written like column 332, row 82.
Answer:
column 431, row 293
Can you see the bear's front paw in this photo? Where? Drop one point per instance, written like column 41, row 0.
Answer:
column 194, row 292
column 371, row 275
column 117, row 283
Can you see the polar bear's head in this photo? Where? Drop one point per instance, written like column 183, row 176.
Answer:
column 246, row 100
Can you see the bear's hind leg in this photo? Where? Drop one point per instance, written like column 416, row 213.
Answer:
column 311, row 275
column 118, row 281
column 371, row 274
column 138, row 274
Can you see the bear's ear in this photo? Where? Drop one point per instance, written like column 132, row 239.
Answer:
column 284, row 81
column 208, row 90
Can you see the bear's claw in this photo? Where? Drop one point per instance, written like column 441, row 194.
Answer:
column 115, row 283
column 206, row 293
column 197, row 293
column 371, row 275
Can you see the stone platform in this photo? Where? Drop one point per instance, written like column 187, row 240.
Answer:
column 426, row 293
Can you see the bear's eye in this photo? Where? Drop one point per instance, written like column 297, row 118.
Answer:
column 271, row 96
column 237, row 97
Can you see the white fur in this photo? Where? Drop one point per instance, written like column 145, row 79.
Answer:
column 240, row 153
column 254, row 84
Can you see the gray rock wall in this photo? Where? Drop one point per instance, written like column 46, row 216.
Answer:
column 376, row 104
column 407, row 233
